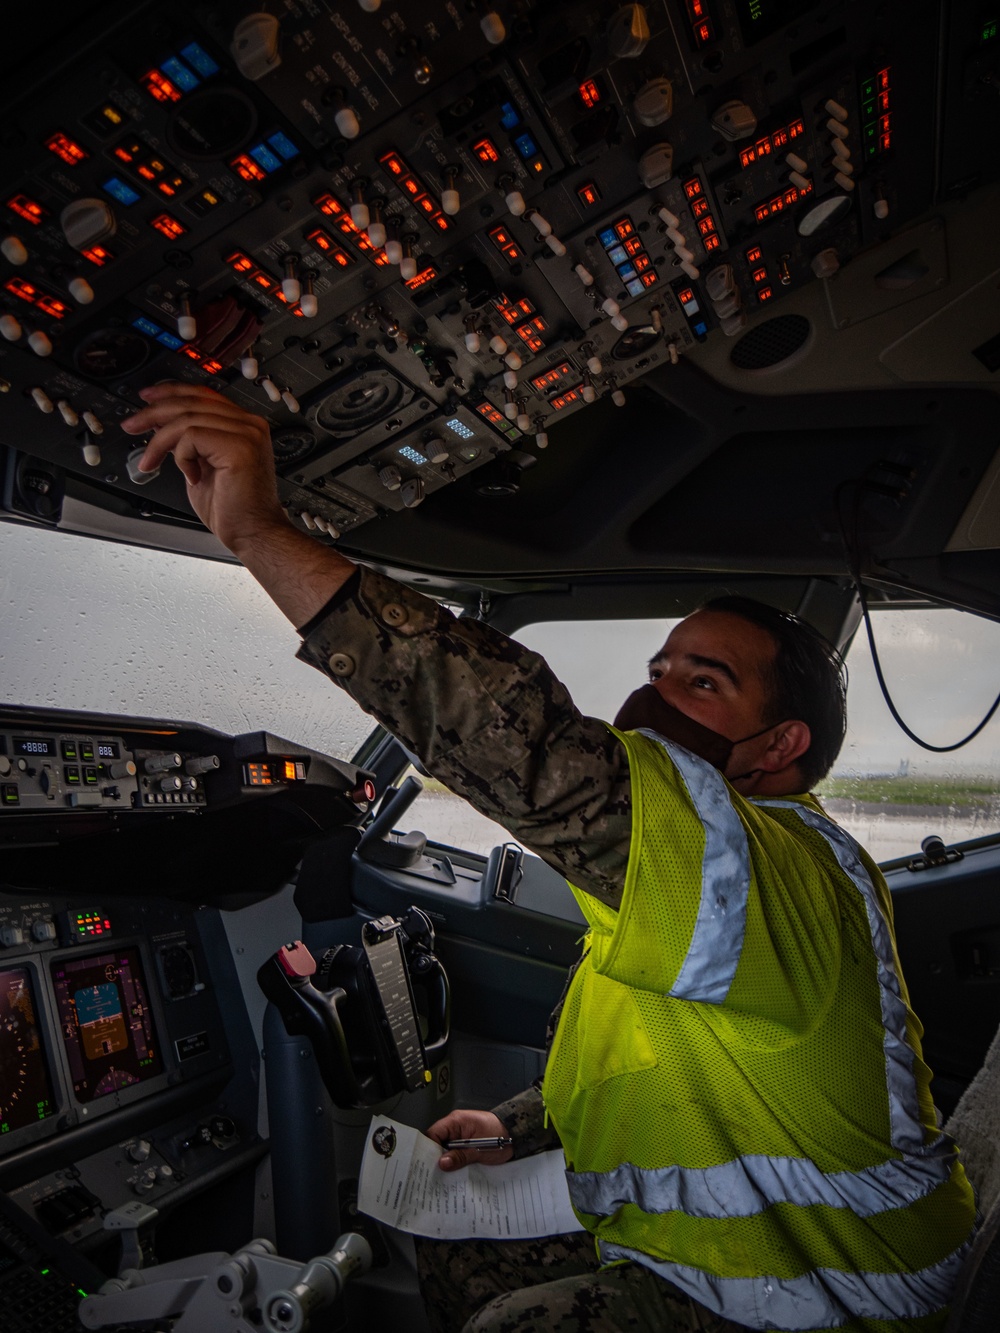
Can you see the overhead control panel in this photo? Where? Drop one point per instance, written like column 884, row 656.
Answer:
column 417, row 237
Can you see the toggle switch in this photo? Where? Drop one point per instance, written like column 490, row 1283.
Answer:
column 80, row 290
column 40, row 343
column 360, row 213
column 291, row 287
column 450, row 201
column 187, row 325
column 309, row 301
column 14, row 250
column 10, row 328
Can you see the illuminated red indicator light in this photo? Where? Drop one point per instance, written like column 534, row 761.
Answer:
column 410, row 186
column 704, row 32
column 693, row 188
column 509, row 248
column 262, row 279
column 696, row 9
column 66, row 148
column 884, row 125
column 641, row 262
column 192, row 352
column 764, row 294
column 27, row 209
column 779, row 138
column 247, row 169
column 795, row 129
column 883, row 101
column 213, row 367
column 686, row 296
column 588, row 194
column 170, row 187
column 393, row 164
column 159, row 87
column 791, row 196
column 883, row 78
column 240, row 262
column 648, row 279
column 706, row 226
column 633, row 246
column 564, row 399
column 328, row 205
column 760, row 275
column 763, row 147
column 491, row 414
column 699, row 208
column 122, row 153
column 885, row 142
column 550, row 377
column 528, row 331
column 421, row 279
column 426, row 204
column 589, row 92
column 762, row 212
column 24, row 291
column 624, row 228
column 754, row 254
column 168, row 226
column 747, row 156
column 711, row 242
column 485, row 150
column 98, row 255
column 441, row 222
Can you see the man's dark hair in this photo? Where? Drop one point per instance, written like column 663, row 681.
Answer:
column 806, row 681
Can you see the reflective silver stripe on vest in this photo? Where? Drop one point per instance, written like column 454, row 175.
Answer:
column 907, row 1130
column 824, row 1298
column 748, row 1185
column 717, row 941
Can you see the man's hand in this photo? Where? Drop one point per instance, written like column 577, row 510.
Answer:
column 225, row 456
column 470, row 1125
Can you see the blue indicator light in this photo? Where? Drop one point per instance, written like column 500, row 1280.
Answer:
column 411, row 454
column 263, row 156
column 283, row 146
column 526, row 145
column 618, row 254
column 170, row 340
column 608, row 237
column 460, row 428
column 626, row 270
column 120, row 191
column 199, row 59
column 177, row 72
column 145, row 325
column 635, row 287
column 509, row 116
column 701, row 328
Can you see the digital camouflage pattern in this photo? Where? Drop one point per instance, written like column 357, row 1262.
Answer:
column 489, row 719
column 553, row 1285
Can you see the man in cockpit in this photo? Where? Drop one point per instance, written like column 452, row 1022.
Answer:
column 735, row 1075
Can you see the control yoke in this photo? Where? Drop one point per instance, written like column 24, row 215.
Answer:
column 208, row 1293
column 357, row 1007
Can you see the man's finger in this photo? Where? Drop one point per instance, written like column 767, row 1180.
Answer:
column 170, row 429
column 207, row 441
column 169, row 409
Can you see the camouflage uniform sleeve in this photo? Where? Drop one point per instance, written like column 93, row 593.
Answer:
column 490, row 720
column 524, row 1117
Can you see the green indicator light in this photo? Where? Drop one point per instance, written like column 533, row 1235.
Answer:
column 868, row 111
column 990, row 29
column 46, row 1270
column 867, row 89
column 82, row 1292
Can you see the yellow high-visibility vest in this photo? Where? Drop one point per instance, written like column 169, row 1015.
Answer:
column 737, row 1078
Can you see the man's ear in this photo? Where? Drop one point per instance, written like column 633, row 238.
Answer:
column 791, row 741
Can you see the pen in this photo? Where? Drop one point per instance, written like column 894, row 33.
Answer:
column 484, row 1145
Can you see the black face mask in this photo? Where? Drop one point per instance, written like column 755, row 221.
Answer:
column 647, row 708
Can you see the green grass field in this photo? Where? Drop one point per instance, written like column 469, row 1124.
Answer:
column 965, row 794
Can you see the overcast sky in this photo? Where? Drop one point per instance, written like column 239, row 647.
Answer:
column 90, row 625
